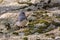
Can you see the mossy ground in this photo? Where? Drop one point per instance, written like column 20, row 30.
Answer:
column 41, row 18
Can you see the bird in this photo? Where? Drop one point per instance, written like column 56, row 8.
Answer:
column 22, row 20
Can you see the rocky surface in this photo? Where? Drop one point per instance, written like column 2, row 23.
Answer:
column 43, row 19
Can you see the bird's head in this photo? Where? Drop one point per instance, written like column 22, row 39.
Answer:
column 22, row 13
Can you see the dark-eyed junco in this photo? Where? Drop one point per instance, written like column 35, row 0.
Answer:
column 22, row 19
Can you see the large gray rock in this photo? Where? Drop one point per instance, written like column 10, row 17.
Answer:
column 55, row 1
column 7, row 18
column 32, row 1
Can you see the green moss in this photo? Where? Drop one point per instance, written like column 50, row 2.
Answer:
column 42, row 29
column 50, row 35
column 32, row 23
column 38, row 21
column 37, row 39
column 29, row 31
column 15, row 33
column 55, row 23
column 25, row 38
column 59, row 28
column 42, row 21
column 38, row 13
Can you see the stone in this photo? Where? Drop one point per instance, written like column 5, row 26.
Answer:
column 35, row 1
column 32, row 18
column 57, row 38
column 38, row 25
column 55, row 1
column 23, row 1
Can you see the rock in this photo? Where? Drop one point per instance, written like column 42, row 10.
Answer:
column 32, row 18
column 57, row 21
column 55, row 1
column 51, row 27
column 35, row 1
column 8, row 18
column 57, row 38
column 31, row 8
column 21, row 1
column 9, row 1
column 53, row 9
column 21, row 34
column 38, row 25
column 36, row 33
column 57, row 15
column 11, row 7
